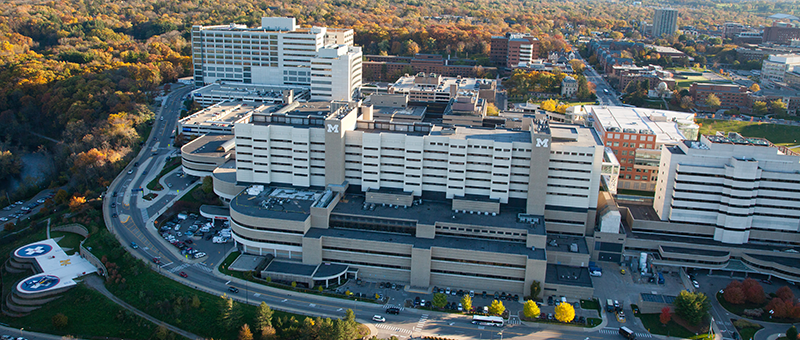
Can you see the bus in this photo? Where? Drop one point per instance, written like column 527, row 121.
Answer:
column 627, row 333
column 487, row 320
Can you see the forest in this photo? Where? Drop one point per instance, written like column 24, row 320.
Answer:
column 84, row 73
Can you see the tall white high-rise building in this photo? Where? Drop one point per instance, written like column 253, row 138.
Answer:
column 277, row 53
column 665, row 21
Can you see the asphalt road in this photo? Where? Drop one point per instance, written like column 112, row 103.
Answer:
column 600, row 83
column 130, row 226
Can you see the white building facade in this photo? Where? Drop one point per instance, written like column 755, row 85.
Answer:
column 742, row 187
column 277, row 53
column 775, row 67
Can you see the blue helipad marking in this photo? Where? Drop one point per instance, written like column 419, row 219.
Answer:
column 33, row 250
column 40, row 283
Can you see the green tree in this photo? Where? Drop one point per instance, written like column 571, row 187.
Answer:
column 759, row 108
column 245, row 334
column 61, row 196
column 231, row 314
column 791, row 333
column 263, row 316
column 713, row 102
column 60, row 321
column 162, row 332
column 565, row 312
column 531, row 309
column 497, row 308
column 778, row 108
column 536, row 288
column 692, row 307
column 466, row 302
column 195, row 302
column 439, row 300
column 208, row 185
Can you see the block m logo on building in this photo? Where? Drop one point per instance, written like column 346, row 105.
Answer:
column 333, row 128
column 540, row 142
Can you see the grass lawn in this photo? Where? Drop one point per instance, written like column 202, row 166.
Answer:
column 172, row 302
column 170, row 165
column 70, row 241
column 188, row 197
column 685, row 83
column 591, row 304
column 775, row 133
column 653, row 325
column 82, row 321
column 749, row 333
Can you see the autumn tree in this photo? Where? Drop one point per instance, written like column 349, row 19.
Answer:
column 531, row 309
column 76, row 203
column 565, row 312
column 466, row 303
column 497, row 308
column 753, row 292
column 734, row 295
column 491, row 110
column 692, row 307
column 61, row 197
column 778, row 308
column 785, row 293
column 755, row 87
column 245, row 334
column 713, row 102
column 665, row 316
column 778, row 107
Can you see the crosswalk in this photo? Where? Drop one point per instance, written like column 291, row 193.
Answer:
column 421, row 323
column 179, row 268
column 616, row 331
column 514, row 320
column 203, row 267
column 392, row 328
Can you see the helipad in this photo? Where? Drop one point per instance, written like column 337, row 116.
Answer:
column 57, row 269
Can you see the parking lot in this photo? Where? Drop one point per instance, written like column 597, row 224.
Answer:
column 20, row 209
column 196, row 237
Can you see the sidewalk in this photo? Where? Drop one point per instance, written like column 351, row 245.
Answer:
column 94, row 282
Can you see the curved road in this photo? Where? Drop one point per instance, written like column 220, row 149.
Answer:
column 132, row 225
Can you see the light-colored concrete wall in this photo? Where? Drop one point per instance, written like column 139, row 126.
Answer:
column 535, row 270
column 255, row 222
column 404, row 199
column 321, row 216
column 312, row 250
column 572, row 293
column 540, row 161
column 426, row 231
column 420, row 267
column 478, row 206
column 568, row 259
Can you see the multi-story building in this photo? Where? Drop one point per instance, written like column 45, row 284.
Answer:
column 512, row 49
column 774, row 69
column 212, row 94
column 741, row 188
column 653, row 73
column 433, row 88
column 636, row 137
column 279, row 53
column 665, row 21
column 781, row 33
column 569, row 86
column 731, row 30
column 731, row 96
column 417, row 203
column 725, row 204
column 381, row 68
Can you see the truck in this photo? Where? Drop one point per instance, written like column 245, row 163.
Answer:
column 609, row 305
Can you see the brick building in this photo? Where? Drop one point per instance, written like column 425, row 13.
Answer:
column 781, row 33
column 731, row 96
column 387, row 68
column 513, row 48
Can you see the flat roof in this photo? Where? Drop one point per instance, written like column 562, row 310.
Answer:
column 255, row 91
column 642, row 212
column 295, row 268
column 226, row 172
column 59, row 270
column 224, row 113
column 664, row 124
column 409, row 112
column 563, row 242
column 209, row 145
column 695, row 251
column 566, row 275
column 406, row 84
column 497, row 135
column 431, row 211
column 464, row 243
column 278, row 203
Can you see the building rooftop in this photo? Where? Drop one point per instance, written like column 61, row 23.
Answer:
column 249, row 92
column 669, row 127
column 409, row 83
column 694, row 251
column 474, row 244
column 277, row 203
column 210, row 145
column 432, row 211
column 406, row 113
column 566, row 275
column 563, row 243
column 225, row 113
